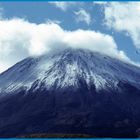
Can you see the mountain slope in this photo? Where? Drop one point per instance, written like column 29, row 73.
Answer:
column 66, row 68
column 70, row 91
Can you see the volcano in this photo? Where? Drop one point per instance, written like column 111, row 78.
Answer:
column 71, row 91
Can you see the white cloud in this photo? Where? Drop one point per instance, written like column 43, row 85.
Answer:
column 100, row 2
column 53, row 21
column 64, row 5
column 125, row 17
column 20, row 39
column 83, row 16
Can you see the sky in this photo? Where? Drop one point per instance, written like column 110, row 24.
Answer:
column 34, row 28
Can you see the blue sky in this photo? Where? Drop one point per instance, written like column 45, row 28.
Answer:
column 72, row 16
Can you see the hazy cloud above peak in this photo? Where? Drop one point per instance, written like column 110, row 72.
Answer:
column 124, row 17
column 64, row 5
column 20, row 38
column 83, row 16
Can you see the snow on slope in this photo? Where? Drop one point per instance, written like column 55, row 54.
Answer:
column 64, row 69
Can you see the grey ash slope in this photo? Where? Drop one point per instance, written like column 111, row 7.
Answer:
column 70, row 91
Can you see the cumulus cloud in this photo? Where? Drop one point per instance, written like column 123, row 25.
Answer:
column 20, row 39
column 83, row 16
column 64, row 5
column 125, row 17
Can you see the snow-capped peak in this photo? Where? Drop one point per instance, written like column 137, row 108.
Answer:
column 68, row 68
